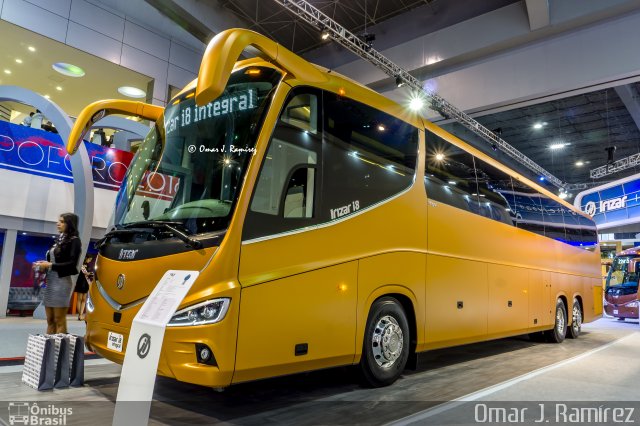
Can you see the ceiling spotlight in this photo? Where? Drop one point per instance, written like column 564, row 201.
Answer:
column 368, row 39
column 416, row 103
column 562, row 195
column 381, row 127
column 539, row 125
column 132, row 92
column 69, row 70
column 325, row 34
column 31, row 49
column 399, row 81
column 439, row 156
column 7, row 71
column 579, row 163
column 452, row 182
column 59, row 88
column 18, row 61
column 541, row 178
column 559, row 145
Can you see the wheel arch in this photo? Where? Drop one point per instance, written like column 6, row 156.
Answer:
column 407, row 300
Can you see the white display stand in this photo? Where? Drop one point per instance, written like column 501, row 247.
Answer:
column 144, row 344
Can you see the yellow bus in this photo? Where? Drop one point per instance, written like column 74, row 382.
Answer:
column 330, row 225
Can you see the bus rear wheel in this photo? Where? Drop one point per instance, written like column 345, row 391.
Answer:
column 576, row 320
column 386, row 343
column 559, row 331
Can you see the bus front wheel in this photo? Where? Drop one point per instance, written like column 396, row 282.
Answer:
column 386, row 343
column 559, row 331
column 576, row 320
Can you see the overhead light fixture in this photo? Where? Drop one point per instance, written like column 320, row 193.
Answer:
column 69, row 70
column 18, row 61
column 368, row 40
column 579, row 163
column 562, row 195
column 539, row 125
column 325, row 34
column 399, row 81
column 7, row 71
column 47, row 97
column 541, row 178
column 31, row 49
column 439, row 156
column 132, row 92
column 559, row 145
column 452, row 182
column 381, row 127
column 416, row 103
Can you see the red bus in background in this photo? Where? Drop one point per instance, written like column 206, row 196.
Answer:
column 621, row 291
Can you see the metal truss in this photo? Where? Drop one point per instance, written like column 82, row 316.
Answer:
column 618, row 166
column 307, row 12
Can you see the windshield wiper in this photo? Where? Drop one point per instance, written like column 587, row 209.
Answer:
column 112, row 233
column 153, row 224
column 166, row 225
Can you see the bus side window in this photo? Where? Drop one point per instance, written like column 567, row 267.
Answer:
column 302, row 112
column 285, row 195
column 450, row 176
column 367, row 156
column 299, row 196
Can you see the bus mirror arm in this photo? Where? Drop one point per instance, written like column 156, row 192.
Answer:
column 225, row 49
column 96, row 111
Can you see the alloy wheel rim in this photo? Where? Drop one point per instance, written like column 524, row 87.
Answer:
column 560, row 320
column 387, row 341
column 577, row 318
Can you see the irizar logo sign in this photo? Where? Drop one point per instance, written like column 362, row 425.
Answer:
column 591, row 208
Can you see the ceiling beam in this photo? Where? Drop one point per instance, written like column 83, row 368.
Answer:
column 630, row 100
column 538, row 11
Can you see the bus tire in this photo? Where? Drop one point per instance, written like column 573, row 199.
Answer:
column 385, row 347
column 576, row 320
column 559, row 331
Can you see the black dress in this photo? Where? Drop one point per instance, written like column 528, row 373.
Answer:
column 82, row 286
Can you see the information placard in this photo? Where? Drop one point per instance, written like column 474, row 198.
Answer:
column 144, row 344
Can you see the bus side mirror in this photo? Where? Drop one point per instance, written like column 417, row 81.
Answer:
column 96, row 111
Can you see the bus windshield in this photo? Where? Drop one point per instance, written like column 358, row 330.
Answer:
column 190, row 167
column 624, row 272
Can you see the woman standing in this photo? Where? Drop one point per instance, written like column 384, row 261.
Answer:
column 82, row 285
column 61, row 263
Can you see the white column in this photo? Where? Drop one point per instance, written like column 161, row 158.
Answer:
column 6, row 266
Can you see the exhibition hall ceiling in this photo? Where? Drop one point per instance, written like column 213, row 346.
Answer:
column 415, row 17
column 568, row 137
column 101, row 80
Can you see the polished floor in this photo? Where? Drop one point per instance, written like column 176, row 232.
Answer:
column 514, row 369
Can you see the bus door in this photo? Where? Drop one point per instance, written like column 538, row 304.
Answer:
column 294, row 316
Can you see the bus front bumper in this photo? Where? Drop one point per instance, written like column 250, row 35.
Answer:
column 629, row 310
column 179, row 358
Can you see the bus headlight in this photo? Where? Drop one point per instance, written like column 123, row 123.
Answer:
column 89, row 304
column 207, row 312
column 633, row 304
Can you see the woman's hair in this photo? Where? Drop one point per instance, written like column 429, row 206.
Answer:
column 71, row 220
